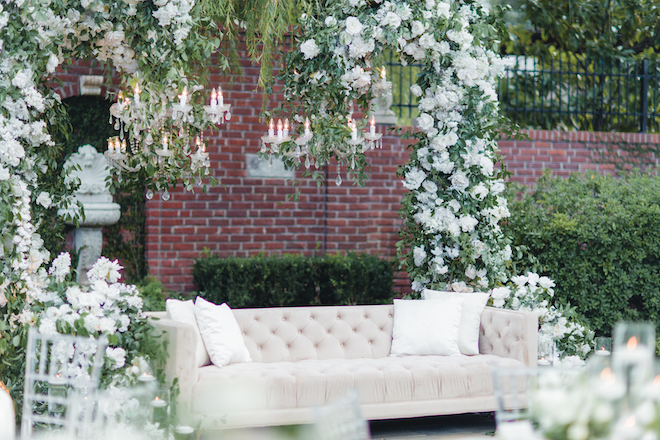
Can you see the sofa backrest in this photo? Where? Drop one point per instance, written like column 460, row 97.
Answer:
column 323, row 332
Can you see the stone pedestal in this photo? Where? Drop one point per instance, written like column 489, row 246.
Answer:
column 381, row 104
column 98, row 206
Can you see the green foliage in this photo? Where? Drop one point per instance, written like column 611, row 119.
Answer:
column 599, row 28
column 152, row 293
column 291, row 280
column 598, row 237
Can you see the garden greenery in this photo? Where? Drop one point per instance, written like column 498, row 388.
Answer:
column 598, row 237
column 291, row 280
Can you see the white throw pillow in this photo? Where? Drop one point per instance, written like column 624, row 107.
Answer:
column 473, row 306
column 221, row 334
column 184, row 311
column 426, row 327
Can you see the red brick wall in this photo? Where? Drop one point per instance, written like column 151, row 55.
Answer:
column 243, row 216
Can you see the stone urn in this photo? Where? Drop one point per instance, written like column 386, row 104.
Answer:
column 98, row 207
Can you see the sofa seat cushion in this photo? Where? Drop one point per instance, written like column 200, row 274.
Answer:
column 278, row 385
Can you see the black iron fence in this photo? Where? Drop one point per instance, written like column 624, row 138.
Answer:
column 565, row 92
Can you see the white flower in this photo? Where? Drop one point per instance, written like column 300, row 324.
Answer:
column 310, row 49
column 117, row 356
column 22, row 79
column 471, row 272
column 467, row 223
column 519, row 280
column 392, row 20
column 480, row 191
column 419, row 254
column 47, row 327
column 61, row 266
column 460, row 286
column 459, row 181
column 105, row 270
column 497, row 187
column 417, row 28
column 353, row 26
column 414, row 178
column 425, row 122
column 52, row 64
column 546, row 282
column 4, row 173
column 463, row 38
column 444, row 10
column 330, row 21
column 44, row 199
column 499, row 294
column 416, row 90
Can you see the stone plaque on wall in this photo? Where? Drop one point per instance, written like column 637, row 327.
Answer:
column 257, row 167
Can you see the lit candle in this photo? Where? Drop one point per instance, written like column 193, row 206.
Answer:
column 543, row 362
column 221, row 99
column 183, row 97
column 609, row 387
column 146, row 377
column 123, row 146
column 279, row 129
column 159, row 408
column 353, row 131
column 136, row 93
column 117, row 145
column 382, row 72
column 120, row 100
column 286, row 128
column 214, row 99
column 183, row 433
column 198, row 143
column 306, row 126
column 271, row 129
column 372, row 126
column 602, row 352
column 111, row 146
column 165, row 142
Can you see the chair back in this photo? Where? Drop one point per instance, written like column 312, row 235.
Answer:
column 57, row 369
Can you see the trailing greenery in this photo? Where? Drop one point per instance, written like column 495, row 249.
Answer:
column 291, row 280
column 152, row 293
column 598, row 237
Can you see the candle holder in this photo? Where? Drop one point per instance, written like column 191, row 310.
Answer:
column 603, row 346
column 184, row 433
column 160, row 408
column 57, row 393
column 633, row 353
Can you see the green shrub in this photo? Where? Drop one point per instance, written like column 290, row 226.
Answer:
column 292, row 280
column 152, row 294
column 598, row 237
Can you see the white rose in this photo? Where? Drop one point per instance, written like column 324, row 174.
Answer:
column 471, row 272
column 52, row 64
column 459, row 181
column 310, row 49
column 392, row 20
column 417, row 28
column 444, row 10
column 44, row 199
column 416, row 90
column 425, row 122
column 330, row 21
column 353, row 26
column 419, row 254
column 480, row 191
column 4, row 173
column 426, row 104
column 499, row 294
column 546, row 282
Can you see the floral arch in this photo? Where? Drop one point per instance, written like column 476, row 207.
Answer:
column 452, row 239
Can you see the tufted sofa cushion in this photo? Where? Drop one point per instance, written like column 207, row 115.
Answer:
column 301, row 333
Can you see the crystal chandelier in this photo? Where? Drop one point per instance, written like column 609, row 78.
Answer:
column 166, row 133
column 358, row 142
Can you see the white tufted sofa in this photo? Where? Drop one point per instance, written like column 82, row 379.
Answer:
column 304, row 357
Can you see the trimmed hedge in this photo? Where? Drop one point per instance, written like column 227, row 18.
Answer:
column 598, row 237
column 293, row 280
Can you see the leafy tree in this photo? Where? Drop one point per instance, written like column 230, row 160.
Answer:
column 596, row 28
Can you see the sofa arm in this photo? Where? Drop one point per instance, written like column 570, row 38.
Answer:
column 509, row 334
column 180, row 356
